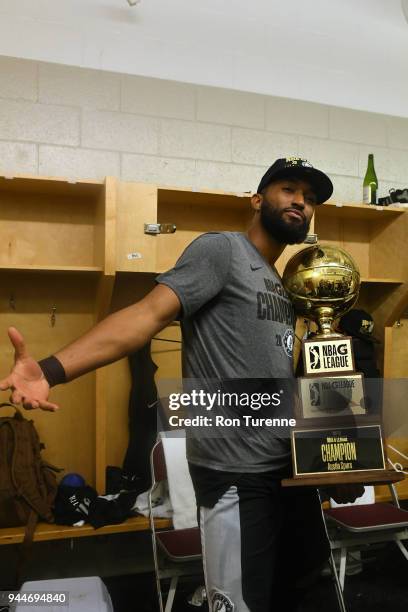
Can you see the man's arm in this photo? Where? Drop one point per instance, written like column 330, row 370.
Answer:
column 111, row 339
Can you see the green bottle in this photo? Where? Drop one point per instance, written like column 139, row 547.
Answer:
column 370, row 184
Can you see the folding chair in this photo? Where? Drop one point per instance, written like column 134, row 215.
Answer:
column 176, row 552
column 355, row 526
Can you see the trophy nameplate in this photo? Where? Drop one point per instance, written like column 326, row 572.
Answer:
column 349, row 449
column 331, row 396
column 328, row 356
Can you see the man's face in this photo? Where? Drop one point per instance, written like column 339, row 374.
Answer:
column 287, row 209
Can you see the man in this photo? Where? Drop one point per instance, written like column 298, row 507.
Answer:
column 237, row 323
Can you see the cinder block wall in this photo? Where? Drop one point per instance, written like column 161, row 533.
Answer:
column 64, row 121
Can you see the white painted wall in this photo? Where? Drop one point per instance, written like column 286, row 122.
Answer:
column 79, row 123
column 351, row 53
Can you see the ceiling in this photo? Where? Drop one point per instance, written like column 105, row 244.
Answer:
column 351, row 53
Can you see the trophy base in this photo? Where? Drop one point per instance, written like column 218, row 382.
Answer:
column 366, row 477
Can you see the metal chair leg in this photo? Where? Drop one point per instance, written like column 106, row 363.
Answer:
column 157, row 573
column 159, row 594
column 172, row 592
column 402, row 548
column 337, row 585
column 343, row 562
column 339, row 590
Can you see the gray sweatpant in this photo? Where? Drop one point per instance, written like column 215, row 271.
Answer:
column 258, row 541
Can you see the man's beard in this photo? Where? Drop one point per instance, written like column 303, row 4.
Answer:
column 284, row 232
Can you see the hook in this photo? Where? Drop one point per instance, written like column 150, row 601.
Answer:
column 52, row 317
column 12, row 302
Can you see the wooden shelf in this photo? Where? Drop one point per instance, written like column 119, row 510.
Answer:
column 34, row 268
column 45, row 531
column 51, row 186
column 390, row 281
column 374, row 236
column 217, row 199
column 193, row 213
column 358, row 211
column 52, row 224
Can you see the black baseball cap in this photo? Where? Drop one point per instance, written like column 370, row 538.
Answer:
column 302, row 169
column 359, row 324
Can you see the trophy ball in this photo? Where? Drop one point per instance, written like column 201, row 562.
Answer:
column 323, row 282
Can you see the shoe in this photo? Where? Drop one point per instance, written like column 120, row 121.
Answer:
column 199, row 599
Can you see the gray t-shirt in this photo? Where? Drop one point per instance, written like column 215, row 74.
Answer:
column 237, row 324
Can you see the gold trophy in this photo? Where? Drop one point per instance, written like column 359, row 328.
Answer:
column 336, row 439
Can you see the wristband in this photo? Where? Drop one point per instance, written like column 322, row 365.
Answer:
column 53, row 370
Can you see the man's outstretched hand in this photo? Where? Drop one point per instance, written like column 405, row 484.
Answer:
column 26, row 379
